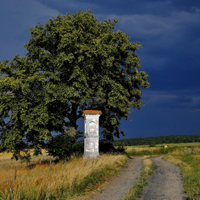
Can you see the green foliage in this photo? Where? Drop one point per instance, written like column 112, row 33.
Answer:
column 108, row 147
column 152, row 144
column 73, row 63
column 64, row 145
column 25, row 158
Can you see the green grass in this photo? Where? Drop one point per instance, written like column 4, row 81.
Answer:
column 159, row 151
column 191, row 177
column 190, row 170
column 136, row 190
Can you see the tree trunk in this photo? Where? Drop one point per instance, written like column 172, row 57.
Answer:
column 72, row 131
column 73, row 118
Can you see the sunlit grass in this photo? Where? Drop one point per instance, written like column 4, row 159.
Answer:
column 192, row 144
column 160, row 149
column 130, row 148
column 31, row 151
column 136, row 190
column 190, row 170
column 68, row 179
column 196, row 156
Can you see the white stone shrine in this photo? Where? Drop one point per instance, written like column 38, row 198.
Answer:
column 91, row 133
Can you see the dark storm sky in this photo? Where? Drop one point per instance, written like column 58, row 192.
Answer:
column 170, row 34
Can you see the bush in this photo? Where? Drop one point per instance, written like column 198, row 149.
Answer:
column 64, row 145
column 107, row 147
column 152, row 144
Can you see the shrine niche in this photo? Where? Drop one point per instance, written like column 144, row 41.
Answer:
column 92, row 128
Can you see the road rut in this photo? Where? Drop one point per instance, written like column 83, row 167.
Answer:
column 118, row 187
column 165, row 182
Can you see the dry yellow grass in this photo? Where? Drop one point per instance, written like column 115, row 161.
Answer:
column 21, row 152
column 176, row 161
column 40, row 178
column 177, row 153
column 197, row 150
column 147, row 166
column 196, row 156
column 129, row 148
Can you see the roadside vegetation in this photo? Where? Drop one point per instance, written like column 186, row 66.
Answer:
column 136, row 190
column 189, row 162
column 45, row 180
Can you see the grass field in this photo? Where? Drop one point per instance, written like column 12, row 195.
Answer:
column 140, row 150
column 39, row 180
column 193, row 144
column 31, row 151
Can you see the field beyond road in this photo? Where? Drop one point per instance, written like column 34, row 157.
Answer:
column 192, row 144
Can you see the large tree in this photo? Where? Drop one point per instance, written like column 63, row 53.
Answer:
column 73, row 63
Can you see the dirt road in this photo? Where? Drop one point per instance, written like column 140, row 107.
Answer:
column 165, row 182
column 118, row 187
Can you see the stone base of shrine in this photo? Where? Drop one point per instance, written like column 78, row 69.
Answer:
column 90, row 155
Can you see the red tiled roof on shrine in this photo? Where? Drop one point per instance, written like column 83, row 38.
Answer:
column 92, row 112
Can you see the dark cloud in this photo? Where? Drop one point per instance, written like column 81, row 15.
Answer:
column 188, row 6
column 17, row 17
column 155, row 121
column 128, row 7
column 169, row 32
column 182, row 99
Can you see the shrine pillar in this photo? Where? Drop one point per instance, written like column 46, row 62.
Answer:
column 91, row 133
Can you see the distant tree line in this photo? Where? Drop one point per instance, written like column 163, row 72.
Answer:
column 158, row 140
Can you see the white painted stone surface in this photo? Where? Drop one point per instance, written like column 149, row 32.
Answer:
column 91, row 135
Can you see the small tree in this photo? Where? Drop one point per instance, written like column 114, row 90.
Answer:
column 152, row 144
column 73, row 63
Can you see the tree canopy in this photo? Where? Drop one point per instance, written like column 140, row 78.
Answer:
column 73, row 63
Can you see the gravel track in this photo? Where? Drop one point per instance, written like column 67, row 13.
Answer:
column 165, row 182
column 118, row 187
